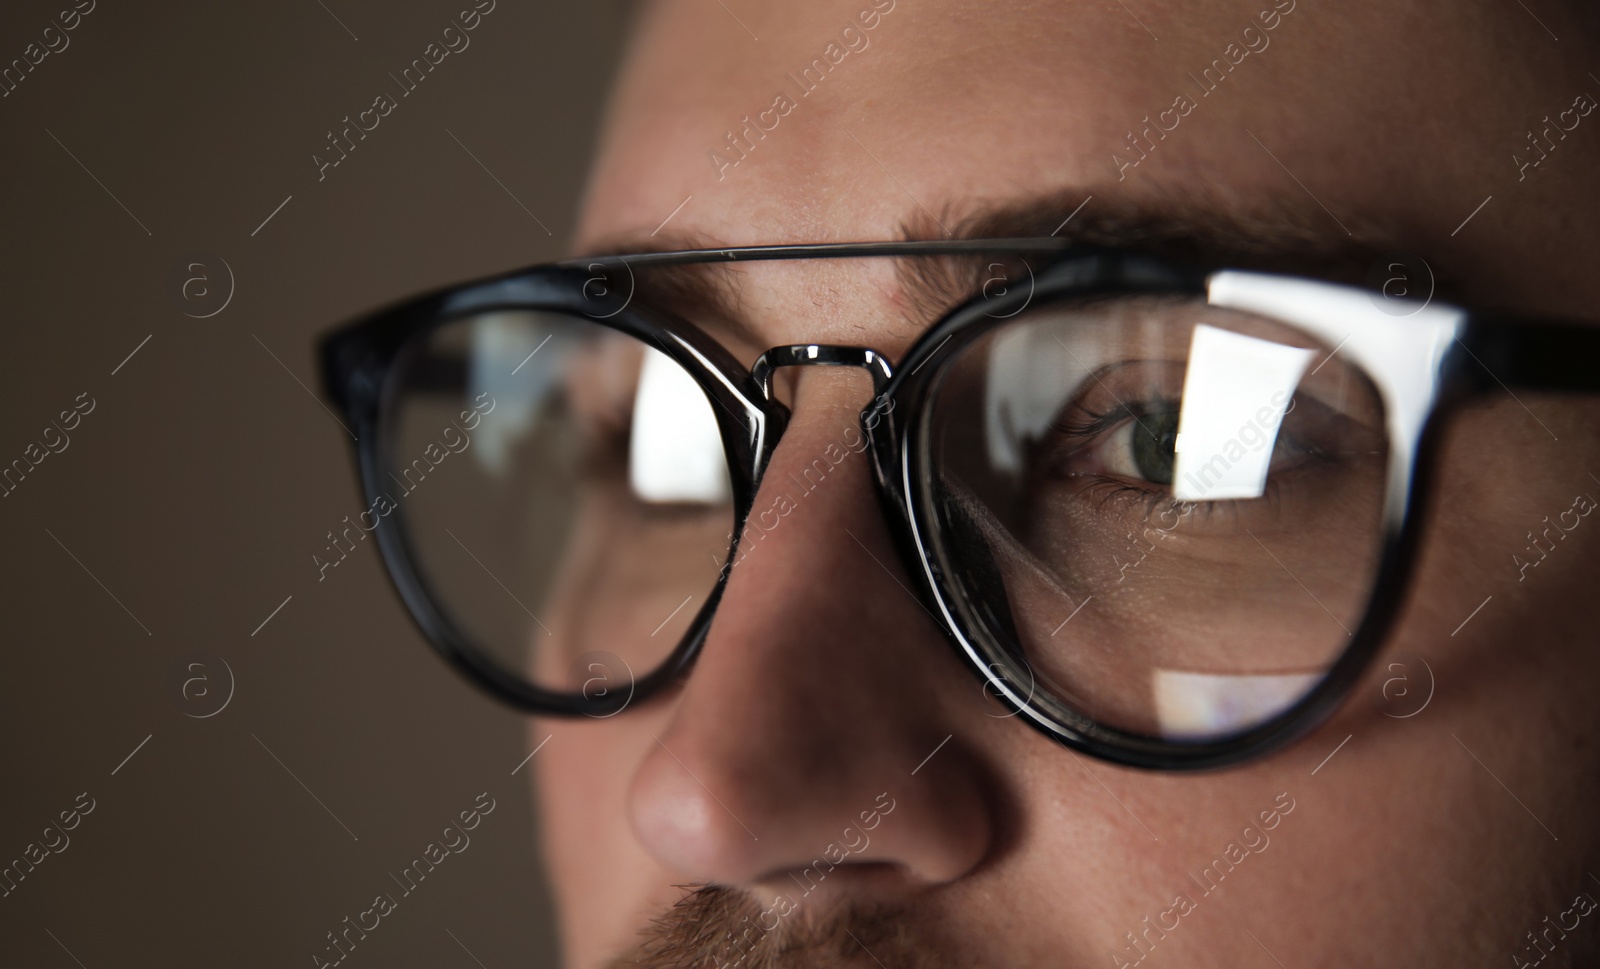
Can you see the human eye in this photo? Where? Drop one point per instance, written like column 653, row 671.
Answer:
column 1121, row 428
column 1119, row 433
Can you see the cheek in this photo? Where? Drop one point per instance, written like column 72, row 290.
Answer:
column 626, row 590
column 604, row 885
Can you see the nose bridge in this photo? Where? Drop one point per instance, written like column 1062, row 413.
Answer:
column 820, row 355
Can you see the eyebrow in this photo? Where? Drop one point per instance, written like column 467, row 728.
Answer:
column 1276, row 235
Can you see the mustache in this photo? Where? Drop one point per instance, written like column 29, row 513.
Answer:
column 713, row 927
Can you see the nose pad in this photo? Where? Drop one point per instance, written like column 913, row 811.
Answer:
column 820, row 355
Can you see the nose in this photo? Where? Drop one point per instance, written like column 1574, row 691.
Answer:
column 821, row 733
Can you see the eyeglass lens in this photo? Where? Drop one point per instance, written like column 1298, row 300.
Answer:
column 1166, row 516
column 563, row 491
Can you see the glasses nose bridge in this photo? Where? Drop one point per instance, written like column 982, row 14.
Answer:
column 820, row 355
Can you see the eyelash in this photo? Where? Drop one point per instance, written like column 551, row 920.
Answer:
column 1093, row 425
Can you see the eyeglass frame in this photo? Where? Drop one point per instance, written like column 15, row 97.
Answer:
column 1500, row 351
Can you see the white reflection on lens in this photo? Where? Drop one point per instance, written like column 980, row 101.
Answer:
column 1197, row 706
column 499, row 342
column 1032, row 371
column 675, row 451
column 1235, row 393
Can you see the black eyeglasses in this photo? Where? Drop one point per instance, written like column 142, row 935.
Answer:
column 1165, row 512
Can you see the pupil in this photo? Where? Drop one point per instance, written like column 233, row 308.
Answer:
column 1153, row 446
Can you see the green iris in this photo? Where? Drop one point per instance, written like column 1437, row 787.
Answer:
column 1154, row 438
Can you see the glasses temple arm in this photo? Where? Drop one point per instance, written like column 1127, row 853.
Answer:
column 1535, row 354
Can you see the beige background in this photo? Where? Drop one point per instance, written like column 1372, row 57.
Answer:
column 206, row 476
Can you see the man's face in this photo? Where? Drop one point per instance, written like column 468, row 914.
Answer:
column 827, row 718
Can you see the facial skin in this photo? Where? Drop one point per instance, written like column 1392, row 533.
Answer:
column 1440, row 839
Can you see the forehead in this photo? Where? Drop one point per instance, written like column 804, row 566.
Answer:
column 739, row 123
